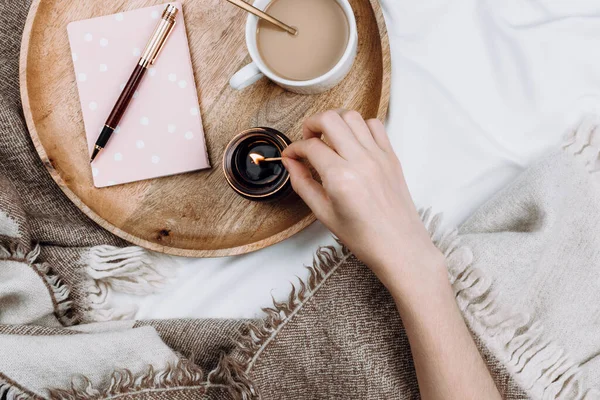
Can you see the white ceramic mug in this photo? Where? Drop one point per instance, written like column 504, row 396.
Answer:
column 257, row 68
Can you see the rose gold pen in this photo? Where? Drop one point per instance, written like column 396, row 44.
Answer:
column 151, row 52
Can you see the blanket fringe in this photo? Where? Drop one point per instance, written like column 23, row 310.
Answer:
column 58, row 290
column 184, row 374
column 538, row 364
column 233, row 370
column 130, row 270
column 9, row 391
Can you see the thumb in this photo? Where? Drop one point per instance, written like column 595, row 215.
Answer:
column 307, row 188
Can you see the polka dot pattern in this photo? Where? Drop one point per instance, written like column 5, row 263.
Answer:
column 154, row 138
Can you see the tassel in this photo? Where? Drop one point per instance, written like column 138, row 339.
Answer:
column 130, row 270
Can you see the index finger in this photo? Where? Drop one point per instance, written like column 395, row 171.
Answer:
column 335, row 130
column 315, row 151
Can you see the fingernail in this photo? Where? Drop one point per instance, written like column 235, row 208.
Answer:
column 284, row 161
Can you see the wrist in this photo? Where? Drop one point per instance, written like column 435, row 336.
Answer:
column 411, row 275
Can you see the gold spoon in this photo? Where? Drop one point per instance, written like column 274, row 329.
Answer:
column 261, row 14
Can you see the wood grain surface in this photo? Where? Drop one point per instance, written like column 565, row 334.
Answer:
column 195, row 214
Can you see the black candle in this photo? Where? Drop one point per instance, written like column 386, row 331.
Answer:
column 257, row 180
column 257, row 171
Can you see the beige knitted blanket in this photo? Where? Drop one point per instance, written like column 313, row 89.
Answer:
column 524, row 269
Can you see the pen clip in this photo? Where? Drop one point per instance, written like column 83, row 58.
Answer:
column 162, row 44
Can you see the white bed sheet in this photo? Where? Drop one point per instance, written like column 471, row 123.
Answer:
column 480, row 88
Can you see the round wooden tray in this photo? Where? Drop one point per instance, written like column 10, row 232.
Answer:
column 195, row 214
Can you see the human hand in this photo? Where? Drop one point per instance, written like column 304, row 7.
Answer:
column 363, row 198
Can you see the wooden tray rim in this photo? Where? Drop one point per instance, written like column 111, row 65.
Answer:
column 285, row 234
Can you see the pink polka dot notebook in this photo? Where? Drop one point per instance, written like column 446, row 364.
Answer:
column 161, row 132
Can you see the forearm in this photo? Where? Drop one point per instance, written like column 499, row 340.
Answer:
column 364, row 200
column 447, row 362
